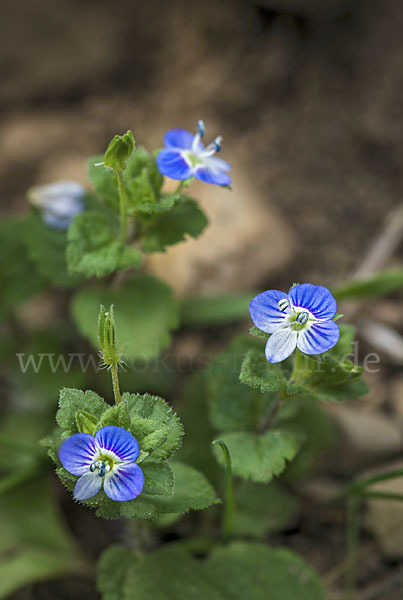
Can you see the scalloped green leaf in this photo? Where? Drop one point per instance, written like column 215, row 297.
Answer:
column 184, row 219
column 154, row 424
column 233, row 405
column 93, row 246
column 259, row 457
column 72, row 401
column 47, row 249
column 145, row 314
column 234, row 572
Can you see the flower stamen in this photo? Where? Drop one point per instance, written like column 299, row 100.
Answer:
column 302, row 317
column 283, row 304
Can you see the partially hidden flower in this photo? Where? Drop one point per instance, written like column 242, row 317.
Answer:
column 58, row 202
column 300, row 319
column 107, row 459
column 185, row 156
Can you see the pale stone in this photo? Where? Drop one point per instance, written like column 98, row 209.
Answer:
column 363, row 438
column 385, row 517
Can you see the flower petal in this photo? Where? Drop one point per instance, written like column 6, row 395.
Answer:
column 209, row 176
column 179, row 138
column 87, row 486
column 281, row 344
column 319, row 337
column 316, row 298
column 124, row 483
column 217, row 164
column 172, row 164
column 119, row 441
column 77, row 453
column 265, row 312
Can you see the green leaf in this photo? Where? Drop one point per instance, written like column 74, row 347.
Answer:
column 154, row 424
column 113, row 567
column 307, row 418
column 196, row 449
column 259, row 457
column 258, row 373
column 117, row 415
column 35, row 544
column 47, row 249
column 333, row 376
column 185, row 219
column 143, row 182
column 232, row 404
column 93, row 248
column 19, row 277
column 72, row 401
column 159, row 479
column 86, row 423
column 258, row 333
column 192, row 491
column 262, row 509
column 215, row 310
column 233, row 572
column 118, row 151
column 380, row 284
column 145, row 313
column 105, row 182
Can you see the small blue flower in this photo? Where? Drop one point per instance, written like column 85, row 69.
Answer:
column 58, row 202
column 108, row 459
column 300, row 319
column 185, row 156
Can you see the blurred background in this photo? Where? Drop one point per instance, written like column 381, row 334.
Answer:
column 307, row 95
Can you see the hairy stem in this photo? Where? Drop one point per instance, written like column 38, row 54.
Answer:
column 123, row 208
column 115, row 383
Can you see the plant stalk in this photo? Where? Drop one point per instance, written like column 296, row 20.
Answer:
column 123, row 208
column 115, row 383
column 229, row 509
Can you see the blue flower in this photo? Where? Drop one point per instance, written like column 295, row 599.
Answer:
column 108, row 459
column 185, row 156
column 58, row 202
column 300, row 319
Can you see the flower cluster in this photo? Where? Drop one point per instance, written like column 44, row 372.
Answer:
column 185, row 156
column 300, row 319
column 107, row 459
column 58, row 202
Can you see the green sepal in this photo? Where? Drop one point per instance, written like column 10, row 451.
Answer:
column 119, row 150
column 86, row 423
column 107, row 337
